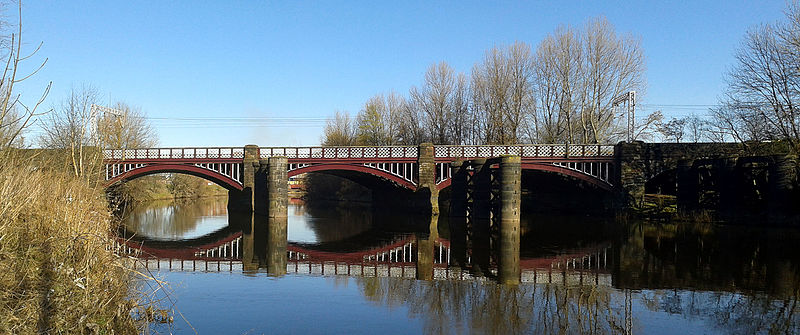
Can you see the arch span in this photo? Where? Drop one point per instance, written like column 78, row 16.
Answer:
column 547, row 167
column 356, row 168
column 215, row 177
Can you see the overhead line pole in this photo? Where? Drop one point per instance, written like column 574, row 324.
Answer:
column 629, row 99
column 94, row 110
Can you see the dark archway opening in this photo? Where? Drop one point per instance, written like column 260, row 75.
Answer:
column 345, row 186
column 664, row 183
column 554, row 193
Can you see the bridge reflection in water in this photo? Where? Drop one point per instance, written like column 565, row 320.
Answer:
column 253, row 243
column 575, row 277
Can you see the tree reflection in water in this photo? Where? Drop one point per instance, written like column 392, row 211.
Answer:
column 724, row 279
column 177, row 219
column 731, row 279
column 740, row 279
column 449, row 306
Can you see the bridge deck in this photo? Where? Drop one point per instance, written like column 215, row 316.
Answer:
column 398, row 164
column 379, row 153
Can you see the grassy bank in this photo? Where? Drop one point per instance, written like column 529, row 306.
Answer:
column 58, row 271
column 167, row 187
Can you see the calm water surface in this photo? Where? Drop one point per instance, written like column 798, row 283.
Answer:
column 332, row 269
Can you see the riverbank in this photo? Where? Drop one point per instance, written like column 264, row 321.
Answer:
column 664, row 209
column 166, row 187
column 58, row 269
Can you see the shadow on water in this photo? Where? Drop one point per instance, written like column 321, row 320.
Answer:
column 572, row 274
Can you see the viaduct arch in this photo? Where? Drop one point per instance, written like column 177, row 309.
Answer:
column 251, row 171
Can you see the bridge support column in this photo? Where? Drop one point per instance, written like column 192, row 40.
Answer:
column 686, row 183
column 480, row 216
column 425, row 250
column 277, row 244
column 261, row 188
column 278, row 205
column 427, row 193
column 631, row 163
column 728, row 185
column 250, row 244
column 278, row 187
column 458, row 213
column 510, row 200
column 782, row 177
column 242, row 201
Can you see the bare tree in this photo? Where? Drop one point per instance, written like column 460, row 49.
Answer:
column 67, row 128
column 557, row 72
column 395, row 107
column 339, row 130
column 16, row 116
column 762, row 92
column 613, row 65
column 697, row 128
column 410, row 125
column 371, row 122
column 130, row 129
column 578, row 74
column 646, row 129
column 561, row 93
column 673, row 129
column 462, row 129
column 502, row 93
column 435, row 102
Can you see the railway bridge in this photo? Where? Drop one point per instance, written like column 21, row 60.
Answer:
column 256, row 177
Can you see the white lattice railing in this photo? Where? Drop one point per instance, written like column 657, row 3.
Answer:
column 175, row 153
column 341, row 152
column 524, row 150
column 384, row 152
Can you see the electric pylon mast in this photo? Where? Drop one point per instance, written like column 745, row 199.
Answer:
column 94, row 112
column 628, row 100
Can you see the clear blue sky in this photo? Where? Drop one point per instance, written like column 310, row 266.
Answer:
column 299, row 59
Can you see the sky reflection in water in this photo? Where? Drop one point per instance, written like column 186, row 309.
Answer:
column 656, row 280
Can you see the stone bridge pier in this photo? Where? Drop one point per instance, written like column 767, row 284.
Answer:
column 485, row 203
column 265, row 184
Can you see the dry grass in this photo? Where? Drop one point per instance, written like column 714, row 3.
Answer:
column 58, row 271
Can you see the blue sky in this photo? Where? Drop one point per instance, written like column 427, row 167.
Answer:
column 305, row 60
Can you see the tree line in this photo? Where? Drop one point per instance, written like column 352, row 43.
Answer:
column 763, row 87
column 560, row 91
column 761, row 94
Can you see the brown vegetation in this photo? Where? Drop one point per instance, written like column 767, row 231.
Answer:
column 58, row 271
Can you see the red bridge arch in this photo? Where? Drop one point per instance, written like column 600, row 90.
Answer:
column 567, row 172
column 354, row 167
column 550, row 167
column 190, row 169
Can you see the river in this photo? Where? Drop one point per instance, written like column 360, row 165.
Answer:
column 350, row 269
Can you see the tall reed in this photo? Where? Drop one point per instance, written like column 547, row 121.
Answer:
column 58, row 269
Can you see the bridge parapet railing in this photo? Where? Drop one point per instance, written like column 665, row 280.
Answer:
column 174, row 153
column 364, row 152
column 524, row 150
column 341, row 152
